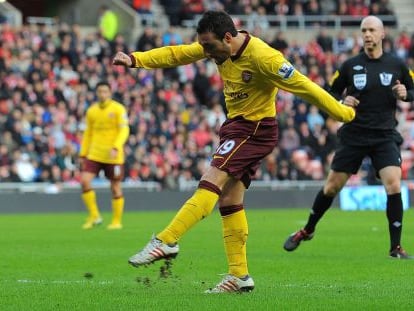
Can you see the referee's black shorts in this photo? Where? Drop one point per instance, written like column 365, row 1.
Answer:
column 383, row 150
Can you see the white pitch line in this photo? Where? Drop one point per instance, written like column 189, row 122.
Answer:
column 307, row 285
column 64, row 282
column 330, row 286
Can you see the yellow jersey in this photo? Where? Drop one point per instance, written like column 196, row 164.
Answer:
column 251, row 78
column 106, row 128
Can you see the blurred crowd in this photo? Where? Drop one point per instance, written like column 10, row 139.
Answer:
column 48, row 77
column 181, row 10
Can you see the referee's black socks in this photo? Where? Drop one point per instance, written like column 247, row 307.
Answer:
column 394, row 215
column 320, row 206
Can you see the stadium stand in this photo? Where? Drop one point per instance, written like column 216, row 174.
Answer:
column 48, row 74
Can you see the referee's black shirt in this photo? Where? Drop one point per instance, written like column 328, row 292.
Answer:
column 371, row 82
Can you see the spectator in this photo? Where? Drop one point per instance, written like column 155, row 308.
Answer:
column 312, row 8
column 256, row 18
column 358, row 8
column 172, row 9
column 307, row 139
column 289, row 142
column 147, row 40
column 24, row 167
column 108, row 23
column 279, row 42
column 190, row 8
column 314, row 118
column 342, row 43
column 142, row 6
column 171, row 37
column 324, row 40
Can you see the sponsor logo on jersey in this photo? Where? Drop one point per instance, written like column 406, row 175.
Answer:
column 246, row 76
column 286, row 71
column 385, row 78
column 360, row 80
column 238, row 95
column 357, row 67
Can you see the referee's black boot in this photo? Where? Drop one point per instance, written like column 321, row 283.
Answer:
column 295, row 238
column 399, row 253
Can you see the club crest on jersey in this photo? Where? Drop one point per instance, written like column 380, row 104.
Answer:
column 385, row 78
column 286, row 70
column 360, row 80
column 246, row 76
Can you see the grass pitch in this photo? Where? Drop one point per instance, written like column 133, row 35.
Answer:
column 49, row 263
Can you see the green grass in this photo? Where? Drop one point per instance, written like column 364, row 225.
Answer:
column 44, row 259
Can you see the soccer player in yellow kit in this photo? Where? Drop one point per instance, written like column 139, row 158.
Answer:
column 102, row 148
column 252, row 72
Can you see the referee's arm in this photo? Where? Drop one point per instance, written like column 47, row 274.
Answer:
column 337, row 85
column 408, row 79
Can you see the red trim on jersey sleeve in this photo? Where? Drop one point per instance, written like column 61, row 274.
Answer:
column 133, row 61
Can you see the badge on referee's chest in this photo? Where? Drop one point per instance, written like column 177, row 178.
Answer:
column 360, row 80
column 386, row 78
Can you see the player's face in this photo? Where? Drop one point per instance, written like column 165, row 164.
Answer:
column 372, row 34
column 103, row 93
column 215, row 49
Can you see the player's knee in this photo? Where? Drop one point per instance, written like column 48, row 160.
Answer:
column 224, row 200
column 116, row 191
column 331, row 190
column 392, row 188
column 117, row 195
column 231, row 198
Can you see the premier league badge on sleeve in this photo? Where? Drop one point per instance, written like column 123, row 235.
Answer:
column 286, row 71
column 386, row 78
column 360, row 81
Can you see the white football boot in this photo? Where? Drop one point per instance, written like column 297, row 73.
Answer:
column 153, row 251
column 232, row 284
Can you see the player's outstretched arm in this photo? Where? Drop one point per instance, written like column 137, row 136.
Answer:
column 319, row 97
column 286, row 77
column 303, row 87
column 163, row 57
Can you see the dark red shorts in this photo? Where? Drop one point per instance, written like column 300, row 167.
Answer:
column 243, row 145
column 112, row 171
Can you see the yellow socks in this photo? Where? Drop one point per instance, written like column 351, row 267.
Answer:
column 117, row 210
column 94, row 218
column 196, row 208
column 235, row 228
column 235, row 232
column 89, row 199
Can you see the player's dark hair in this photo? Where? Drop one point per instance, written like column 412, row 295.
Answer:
column 103, row 83
column 217, row 22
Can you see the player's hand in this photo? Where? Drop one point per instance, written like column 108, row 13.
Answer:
column 122, row 59
column 113, row 153
column 399, row 90
column 351, row 101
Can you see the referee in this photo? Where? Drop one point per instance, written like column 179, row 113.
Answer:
column 372, row 82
